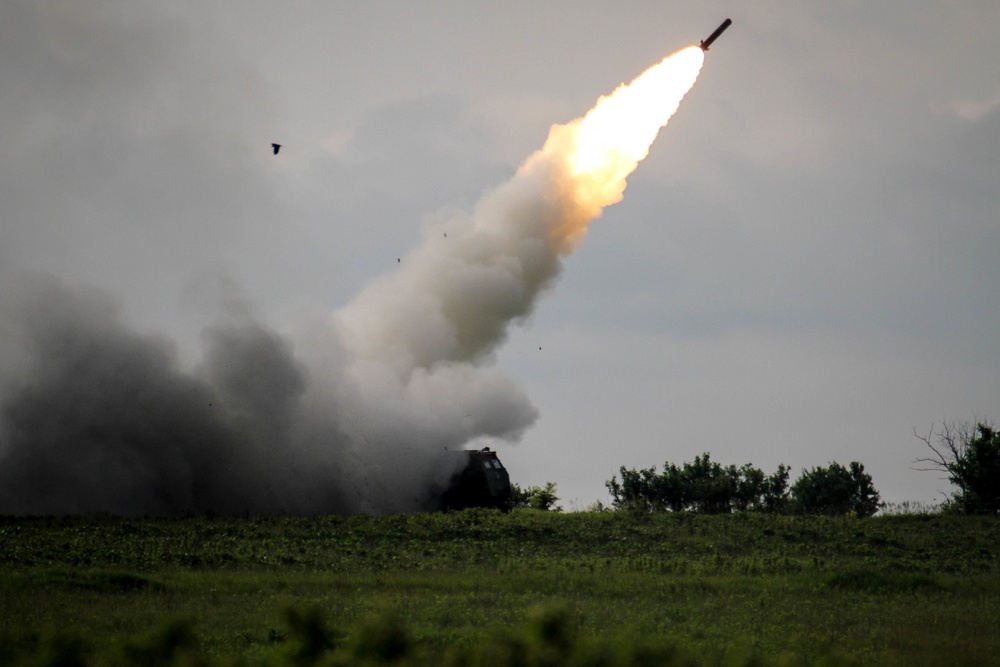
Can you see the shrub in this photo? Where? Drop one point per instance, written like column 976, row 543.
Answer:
column 536, row 497
column 703, row 486
column 835, row 490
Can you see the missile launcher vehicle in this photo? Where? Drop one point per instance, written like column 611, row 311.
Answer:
column 482, row 482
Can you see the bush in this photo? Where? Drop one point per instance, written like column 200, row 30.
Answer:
column 535, row 497
column 703, row 486
column 835, row 490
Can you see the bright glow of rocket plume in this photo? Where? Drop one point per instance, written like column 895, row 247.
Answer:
column 419, row 341
column 609, row 142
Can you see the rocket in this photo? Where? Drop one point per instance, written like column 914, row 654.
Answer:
column 715, row 35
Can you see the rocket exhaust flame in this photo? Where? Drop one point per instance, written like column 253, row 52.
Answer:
column 610, row 141
column 345, row 415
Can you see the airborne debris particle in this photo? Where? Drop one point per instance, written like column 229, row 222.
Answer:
column 276, row 148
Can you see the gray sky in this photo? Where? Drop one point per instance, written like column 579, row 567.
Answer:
column 803, row 270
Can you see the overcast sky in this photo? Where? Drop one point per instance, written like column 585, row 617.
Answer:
column 805, row 269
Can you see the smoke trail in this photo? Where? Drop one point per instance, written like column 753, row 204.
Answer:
column 355, row 413
column 454, row 297
column 416, row 339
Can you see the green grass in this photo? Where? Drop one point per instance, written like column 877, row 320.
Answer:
column 894, row 590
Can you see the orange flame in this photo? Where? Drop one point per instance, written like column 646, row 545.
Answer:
column 599, row 151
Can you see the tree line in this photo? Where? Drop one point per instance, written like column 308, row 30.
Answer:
column 707, row 487
column 969, row 453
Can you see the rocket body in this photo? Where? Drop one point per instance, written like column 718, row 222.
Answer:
column 715, row 35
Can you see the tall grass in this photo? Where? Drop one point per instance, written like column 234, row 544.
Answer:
column 475, row 588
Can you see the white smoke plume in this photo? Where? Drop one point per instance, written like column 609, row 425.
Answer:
column 416, row 340
column 352, row 414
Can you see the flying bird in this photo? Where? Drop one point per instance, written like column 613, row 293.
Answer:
column 276, row 148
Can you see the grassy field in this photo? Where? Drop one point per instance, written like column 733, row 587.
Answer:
column 482, row 587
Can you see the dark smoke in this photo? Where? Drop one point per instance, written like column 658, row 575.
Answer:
column 95, row 417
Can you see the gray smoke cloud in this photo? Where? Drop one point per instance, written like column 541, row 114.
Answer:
column 96, row 417
column 99, row 418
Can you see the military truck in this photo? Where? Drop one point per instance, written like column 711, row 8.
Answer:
column 482, row 482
